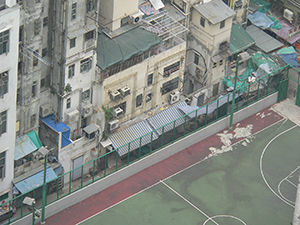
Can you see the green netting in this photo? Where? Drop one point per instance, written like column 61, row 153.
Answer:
column 255, row 62
column 276, row 25
column 239, row 39
column 122, row 47
column 264, row 6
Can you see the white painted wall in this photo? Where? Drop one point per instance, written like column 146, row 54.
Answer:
column 9, row 20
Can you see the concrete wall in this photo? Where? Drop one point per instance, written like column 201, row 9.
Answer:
column 154, row 158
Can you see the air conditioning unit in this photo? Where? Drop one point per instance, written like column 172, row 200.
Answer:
column 137, row 17
column 45, row 110
column 87, row 110
column 288, row 14
column 73, row 117
column 115, row 95
column 125, row 91
column 174, row 97
column 113, row 125
column 118, row 112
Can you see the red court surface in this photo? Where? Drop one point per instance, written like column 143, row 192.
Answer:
column 157, row 172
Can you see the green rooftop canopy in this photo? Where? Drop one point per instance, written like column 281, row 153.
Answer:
column 120, row 48
column 239, row 39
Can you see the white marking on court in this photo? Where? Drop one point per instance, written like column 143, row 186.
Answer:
column 291, row 183
column 195, row 207
column 261, row 167
column 172, row 175
column 286, row 179
column 229, row 216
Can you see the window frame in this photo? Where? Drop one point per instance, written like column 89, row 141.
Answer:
column 2, row 164
column 71, row 71
column 73, row 10
column 4, row 76
column 68, row 103
column 171, row 69
column 73, row 42
column 222, row 24
column 139, row 100
column 3, row 120
column 202, row 21
column 170, row 86
column 85, row 65
column 150, row 79
column 4, row 41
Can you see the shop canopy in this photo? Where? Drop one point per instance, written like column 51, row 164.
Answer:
column 27, row 144
column 239, row 39
column 34, row 181
column 124, row 46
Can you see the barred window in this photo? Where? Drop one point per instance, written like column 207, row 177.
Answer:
column 3, row 83
column 170, row 86
column 3, row 122
column 73, row 12
column 85, row 65
column 71, row 71
column 4, row 42
column 171, row 69
column 2, row 165
column 139, row 100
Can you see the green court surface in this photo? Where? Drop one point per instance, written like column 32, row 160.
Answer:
column 228, row 187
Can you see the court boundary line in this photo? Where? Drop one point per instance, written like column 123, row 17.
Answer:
column 195, row 207
column 230, row 216
column 178, row 172
column 286, row 179
column 261, row 166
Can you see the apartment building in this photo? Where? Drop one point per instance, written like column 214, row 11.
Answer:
column 208, row 49
column 9, row 33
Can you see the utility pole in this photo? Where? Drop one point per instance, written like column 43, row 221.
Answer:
column 233, row 92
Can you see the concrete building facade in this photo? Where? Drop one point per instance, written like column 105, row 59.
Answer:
column 9, row 33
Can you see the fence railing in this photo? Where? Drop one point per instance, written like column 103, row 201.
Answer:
column 111, row 162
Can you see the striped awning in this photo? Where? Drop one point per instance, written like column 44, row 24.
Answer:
column 285, row 30
column 137, row 135
column 172, row 114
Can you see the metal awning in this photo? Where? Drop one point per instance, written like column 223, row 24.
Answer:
column 91, row 128
column 167, row 116
column 263, row 40
column 216, row 58
column 24, row 146
column 157, row 4
column 137, row 135
column 106, row 143
column 239, row 39
column 167, row 27
column 35, row 180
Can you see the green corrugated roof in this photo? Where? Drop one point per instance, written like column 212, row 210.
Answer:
column 239, row 39
column 120, row 48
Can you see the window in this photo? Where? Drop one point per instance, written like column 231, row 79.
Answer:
column 171, row 69
column 150, row 79
column 215, row 89
column 71, row 71
column 35, row 59
column 90, row 5
column 20, row 66
column 85, row 96
column 68, row 103
column 2, row 122
column 72, row 42
column 37, row 1
column 21, row 28
column 222, row 24
column 33, row 89
column 149, row 96
column 170, row 86
column 200, row 100
column 37, row 26
column 43, row 81
column 73, row 12
column 85, row 65
column 32, row 120
column 3, row 83
column 214, row 65
column 44, row 52
column 2, row 165
column 19, row 96
column 89, row 35
column 4, row 42
column 238, row 4
column 20, row 2
column 5, row 196
column 45, row 21
column 202, row 22
column 196, row 59
column 221, row 62
column 139, row 100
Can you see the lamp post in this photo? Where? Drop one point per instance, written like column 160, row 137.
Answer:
column 233, row 93
column 44, row 152
column 30, row 202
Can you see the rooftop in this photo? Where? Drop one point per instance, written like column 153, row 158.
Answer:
column 215, row 11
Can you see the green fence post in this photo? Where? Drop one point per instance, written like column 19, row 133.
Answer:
column 162, row 136
column 57, row 188
column 70, row 182
column 184, row 126
column 173, row 137
column 93, row 176
column 217, row 109
column 140, row 149
column 151, row 141
column 258, row 90
column 105, row 164
column 206, row 115
column 233, row 93
column 195, row 123
column 117, row 158
column 128, row 153
column 81, row 182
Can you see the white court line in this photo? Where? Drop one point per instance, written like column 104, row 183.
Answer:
column 172, row 175
column 210, row 218
column 261, row 167
column 229, row 216
column 291, row 183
